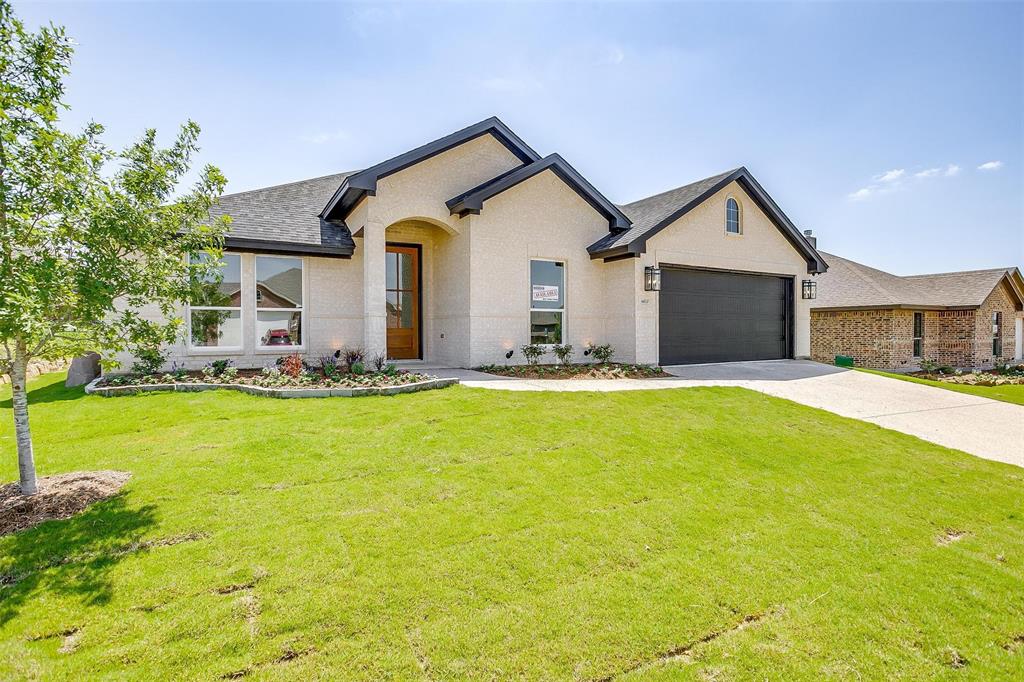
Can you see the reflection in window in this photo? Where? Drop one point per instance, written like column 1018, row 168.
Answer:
column 215, row 309
column 918, row 334
column 547, row 301
column 400, row 293
column 279, row 303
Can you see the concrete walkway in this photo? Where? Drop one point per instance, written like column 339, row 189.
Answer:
column 979, row 426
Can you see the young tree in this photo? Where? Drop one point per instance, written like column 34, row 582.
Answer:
column 87, row 235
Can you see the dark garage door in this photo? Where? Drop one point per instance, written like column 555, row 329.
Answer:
column 708, row 316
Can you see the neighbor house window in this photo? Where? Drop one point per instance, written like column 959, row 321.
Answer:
column 997, row 335
column 918, row 334
column 279, row 302
column 547, row 301
column 215, row 305
column 732, row 216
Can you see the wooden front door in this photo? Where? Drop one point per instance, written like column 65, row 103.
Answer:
column 403, row 301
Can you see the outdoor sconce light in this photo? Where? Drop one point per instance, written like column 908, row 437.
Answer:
column 652, row 279
column 508, row 355
column 809, row 289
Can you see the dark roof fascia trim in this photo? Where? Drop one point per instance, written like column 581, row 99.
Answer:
column 473, row 200
column 364, row 182
column 815, row 263
column 613, row 254
column 889, row 306
column 289, row 248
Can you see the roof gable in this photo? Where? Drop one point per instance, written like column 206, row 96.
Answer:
column 653, row 214
column 472, row 201
column 359, row 184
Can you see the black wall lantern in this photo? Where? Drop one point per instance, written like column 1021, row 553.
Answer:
column 809, row 289
column 652, row 279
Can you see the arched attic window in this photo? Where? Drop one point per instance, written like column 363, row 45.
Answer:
column 732, row 216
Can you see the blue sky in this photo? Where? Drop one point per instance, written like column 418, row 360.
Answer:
column 894, row 131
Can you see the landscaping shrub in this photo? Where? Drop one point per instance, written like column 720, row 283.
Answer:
column 217, row 368
column 329, row 367
column 291, row 365
column 379, row 360
column 148, row 360
column 602, row 353
column 353, row 355
column 563, row 353
column 533, row 352
column 357, row 368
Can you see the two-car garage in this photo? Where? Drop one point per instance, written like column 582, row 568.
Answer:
column 718, row 316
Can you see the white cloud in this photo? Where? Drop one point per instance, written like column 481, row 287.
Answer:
column 327, row 137
column 990, row 166
column 928, row 173
column 890, row 176
column 951, row 170
column 860, row 194
column 613, row 55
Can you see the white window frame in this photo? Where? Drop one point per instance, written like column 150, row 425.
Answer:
column 565, row 300
column 217, row 350
column 739, row 216
column 260, row 348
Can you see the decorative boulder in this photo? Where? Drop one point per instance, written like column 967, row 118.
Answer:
column 83, row 369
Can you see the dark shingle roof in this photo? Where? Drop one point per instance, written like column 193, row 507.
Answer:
column 648, row 213
column 849, row 284
column 287, row 214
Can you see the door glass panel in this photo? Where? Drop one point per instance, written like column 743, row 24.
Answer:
column 407, row 309
column 405, row 279
column 394, row 311
column 391, row 263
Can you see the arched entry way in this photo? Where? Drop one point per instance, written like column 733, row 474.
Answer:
column 411, row 249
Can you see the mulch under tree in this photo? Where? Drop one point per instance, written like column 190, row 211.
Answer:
column 59, row 497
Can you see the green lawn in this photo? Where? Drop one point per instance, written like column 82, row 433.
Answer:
column 474, row 534
column 1009, row 393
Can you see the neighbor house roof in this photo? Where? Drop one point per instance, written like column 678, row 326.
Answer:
column 283, row 219
column 852, row 285
column 653, row 214
column 473, row 200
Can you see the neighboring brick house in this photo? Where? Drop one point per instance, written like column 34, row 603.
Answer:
column 461, row 251
column 968, row 319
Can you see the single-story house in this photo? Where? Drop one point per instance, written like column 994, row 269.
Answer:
column 970, row 319
column 466, row 248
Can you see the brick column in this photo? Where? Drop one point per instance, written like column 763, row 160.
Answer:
column 374, row 305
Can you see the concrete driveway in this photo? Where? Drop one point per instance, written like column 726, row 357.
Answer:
column 979, row 426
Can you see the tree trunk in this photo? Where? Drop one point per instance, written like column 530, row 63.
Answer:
column 19, row 388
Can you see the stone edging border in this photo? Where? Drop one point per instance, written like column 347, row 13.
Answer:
column 113, row 391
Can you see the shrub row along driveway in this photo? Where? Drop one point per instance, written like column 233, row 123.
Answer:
column 469, row 534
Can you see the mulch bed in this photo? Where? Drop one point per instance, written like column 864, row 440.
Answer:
column 605, row 371
column 59, row 497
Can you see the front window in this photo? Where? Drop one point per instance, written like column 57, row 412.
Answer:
column 918, row 334
column 732, row 216
column 215, row 304
column 547, row 301
column 997, row 335
column 279, row 302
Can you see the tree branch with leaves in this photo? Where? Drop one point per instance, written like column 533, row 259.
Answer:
column 89, row 237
